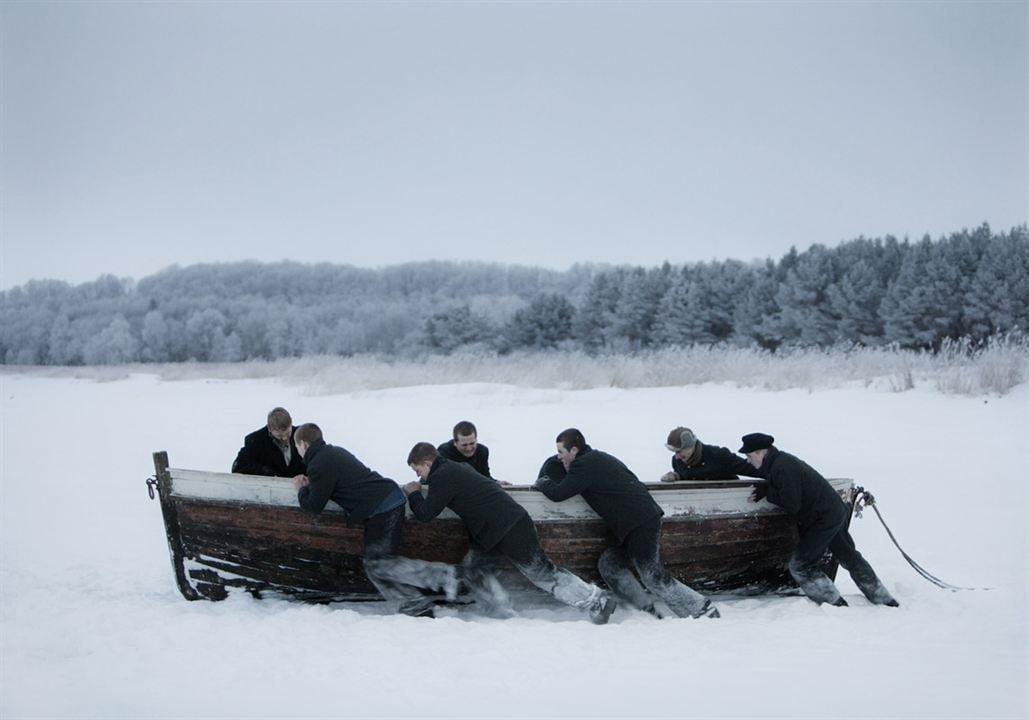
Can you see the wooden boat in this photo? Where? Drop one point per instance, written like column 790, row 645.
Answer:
column 243, row 531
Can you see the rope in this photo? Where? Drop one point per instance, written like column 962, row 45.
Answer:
column 863, row 499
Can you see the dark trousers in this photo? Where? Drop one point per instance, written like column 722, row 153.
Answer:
column 640, row 551
column 806, row 564
column 522, row 547
column 399, row 578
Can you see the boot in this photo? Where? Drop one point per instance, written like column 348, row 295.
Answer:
column 601, row 610
column 651, row 610
column 709, row 611
column 487, row 592
column 417, row 608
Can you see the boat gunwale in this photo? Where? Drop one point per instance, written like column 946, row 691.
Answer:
column 690, row 498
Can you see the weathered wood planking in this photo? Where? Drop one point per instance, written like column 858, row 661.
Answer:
column 245, row 531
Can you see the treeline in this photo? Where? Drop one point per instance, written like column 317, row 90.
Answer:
column 865, row 292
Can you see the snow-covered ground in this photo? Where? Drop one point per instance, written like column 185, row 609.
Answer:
column 91, row 624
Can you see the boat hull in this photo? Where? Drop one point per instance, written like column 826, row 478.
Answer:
column 237, row 531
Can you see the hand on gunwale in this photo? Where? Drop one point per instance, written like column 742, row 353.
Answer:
column 300, row 481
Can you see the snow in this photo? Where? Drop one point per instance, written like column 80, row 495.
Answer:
column 91, row 624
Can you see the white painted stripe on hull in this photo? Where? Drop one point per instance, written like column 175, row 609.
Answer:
column 676, row 499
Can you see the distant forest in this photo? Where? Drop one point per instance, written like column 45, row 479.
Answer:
column 971, row 285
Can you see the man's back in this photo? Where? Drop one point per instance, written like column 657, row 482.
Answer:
column 800, row 490
column 336, row 474
column 486, row 509
column 607, row 486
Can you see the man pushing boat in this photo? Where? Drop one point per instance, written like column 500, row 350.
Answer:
column 821, row 518
column 377, row 503
column 498, row 526
column 633, row 522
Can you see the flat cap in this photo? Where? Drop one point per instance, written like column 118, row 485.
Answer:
column 756, row 441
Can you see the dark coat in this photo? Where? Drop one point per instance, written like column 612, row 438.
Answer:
column 716, row 463
column 336, row 475
column 607, row 486
column 488, row 511
column 801, row 491
column 260, row 455
column 479, row 461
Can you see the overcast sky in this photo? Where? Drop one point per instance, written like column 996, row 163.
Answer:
column 134, row 136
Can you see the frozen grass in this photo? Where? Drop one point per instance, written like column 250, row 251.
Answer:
column 993, row 368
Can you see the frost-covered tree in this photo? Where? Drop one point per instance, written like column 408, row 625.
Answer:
column 25, row 328
column 756, row 314
column 64, row 347
column 455, row 328
column 205, row 333
column 806, row 316
column 717, row 305
column 671, row 327
column 543, row 325
column 855, row 299
column 156, row 338
column 632, row 322
column 997, row 300
column 594, row 320
column 948, row 271
column 388, row 327
column 105, row 287
column 113, row 345
column 699, row 304
column 278, row 334
column 911, row 306
column 229, row 349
